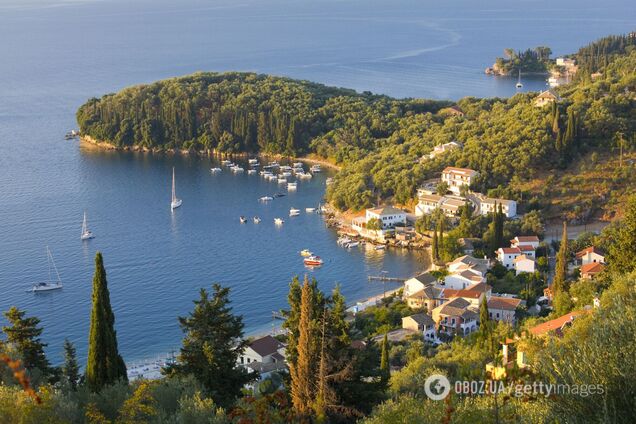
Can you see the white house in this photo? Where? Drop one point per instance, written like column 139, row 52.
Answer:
column 590, row 255
column 503, row 308
column 523, row 263
column 458, row 177
column 421, row 323
column 507, row 255
column 528, row 250
column 467, row 262
column 525, row 240
column 485, row 205
column 546, row 97
column 263, row 350
column 462, row 280
column 417, row 283
column 387, row 215
column 427, row 204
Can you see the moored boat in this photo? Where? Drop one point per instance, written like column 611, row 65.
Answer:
column 313, row 260
column 257, row 220
column 266, row 198
column 243, row 219
column 294, row 212
column 292, row 186
column 310, row 210
column 305, row 252
column 279, row 221
column 175, row 202
column 86, row 233
column 315, row 168
column 49, row 285
column 215, row 170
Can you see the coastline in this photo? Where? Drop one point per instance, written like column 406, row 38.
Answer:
column 90, row 143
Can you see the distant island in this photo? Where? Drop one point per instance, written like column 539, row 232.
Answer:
column 531, row 61
column 383, row 145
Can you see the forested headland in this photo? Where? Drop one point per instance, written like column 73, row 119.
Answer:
column 378, row 141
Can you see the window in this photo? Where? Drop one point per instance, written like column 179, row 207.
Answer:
column 497, row 314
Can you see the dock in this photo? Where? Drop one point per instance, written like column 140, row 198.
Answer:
column 278, row 315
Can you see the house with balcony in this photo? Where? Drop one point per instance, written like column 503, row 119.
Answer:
column 418, row 283
column 388, row 217
column 456, row 317
column 430, row 297
column 484, row 205
column 458, row 177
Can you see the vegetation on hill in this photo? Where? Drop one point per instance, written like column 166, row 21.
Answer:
column 535, row 60
column 600, row 53
column 378, row 141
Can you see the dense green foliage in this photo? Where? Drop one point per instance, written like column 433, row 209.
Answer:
column 105, row 366
column 377, row 140
column 535, row 60
column 211, row 347
column 598, row 54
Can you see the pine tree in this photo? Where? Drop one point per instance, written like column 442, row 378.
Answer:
column 302, row 373
column 70, row 371
column 384, row 360
column 562, row 301
column 105, row 366
column 292, row 318
column 211, row 347
column 23, row 335
column 338, row 325
column 323, row 391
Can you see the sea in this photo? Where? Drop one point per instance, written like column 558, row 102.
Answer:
column 56, row 54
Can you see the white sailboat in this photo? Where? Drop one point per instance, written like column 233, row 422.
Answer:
column 175, row 203
column 49, row 285
column 86, row 233
column 519, row 85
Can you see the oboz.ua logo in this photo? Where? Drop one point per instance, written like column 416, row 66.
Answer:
column 437, row 387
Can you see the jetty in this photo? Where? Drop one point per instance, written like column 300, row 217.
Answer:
column 385, row 278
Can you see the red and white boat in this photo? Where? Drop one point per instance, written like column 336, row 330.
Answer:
column 313, row 261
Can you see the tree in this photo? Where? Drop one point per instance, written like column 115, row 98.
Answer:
column 621, row 252
column 374, row 224
column 70, row 370
column 620, row 142
column 211, row 347
column 559, row 288
column 105, row 366
column 302, row 372
column 485, row 328
column 384, row 361
column 23, row 334
column 435, row 246
column 442, row 188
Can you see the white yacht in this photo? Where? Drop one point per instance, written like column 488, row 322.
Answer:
column 176, row 202
column 49, row 285
column 294, row 212
column 282, row 180
column 279, row 221
column 215, row 170
column 257, row 220
column 310, row 210
column 266, row 198
column 292, row 186
column 251, row 172
column 315, row 168
column 519, row 85
column 86, row 233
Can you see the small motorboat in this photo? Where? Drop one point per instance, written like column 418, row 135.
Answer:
column 315, row 168
column 286, row 174
column 243, row 219
column 279, row 221
column 352, row 244
column 313, row 260
column 297, row 164
column 304, row 176
column 305, row 253
column 237, row 169
column 215, row 170
column 251, row 172
column 226, row 162
column 294, row 212
column 252, row 161
column 310, row 210
column 257, row 220
column 292, row 186
column 343, row 241
column 279, row 195
column 380, row 247
column 266, row 199
column 282, row 180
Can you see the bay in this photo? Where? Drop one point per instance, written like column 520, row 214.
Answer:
column 55, row 54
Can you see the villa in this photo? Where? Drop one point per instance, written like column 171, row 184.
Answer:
column 546, row 97
column 525, row 241
column 387, row 217
column 421, row 323
column 503, row 308
column 458, row 177
column 456, row 317
column 590, row 270
column 590, row 255
column 523, row 263
column 442, row 148
column 485, row 205
column 507, row 256
column 263, row 351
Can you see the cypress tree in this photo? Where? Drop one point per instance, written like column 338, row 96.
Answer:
column 70, row 371
column 384, row 360
column 440, row 244
column 484, row 321
column 560, row 272
column 105, row 366
column 302, row 372
column 435, row 247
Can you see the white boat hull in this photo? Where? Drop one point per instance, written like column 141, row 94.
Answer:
column 175, row 203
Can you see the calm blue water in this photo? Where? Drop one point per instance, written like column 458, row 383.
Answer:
column 56, row 54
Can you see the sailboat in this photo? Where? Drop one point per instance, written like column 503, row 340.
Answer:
column 519, row 85
column 175, row 203
column 86, row 233
column 49, row 285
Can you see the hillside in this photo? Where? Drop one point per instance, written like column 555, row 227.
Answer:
column 378, row 141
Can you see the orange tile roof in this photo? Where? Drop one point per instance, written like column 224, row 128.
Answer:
column 556, row 324
column 592, row 268
column 507, row 303
column 587, row 250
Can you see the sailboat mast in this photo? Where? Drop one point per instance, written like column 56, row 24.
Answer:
column 174, row 194
column 84, row 224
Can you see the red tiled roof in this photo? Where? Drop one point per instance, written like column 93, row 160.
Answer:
column 592, row 268
column 526, row 247
column 526, row 239
column 587, row 250
column 456, row 170
column 555, row 324
column 507, row 303
column 507, row 250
